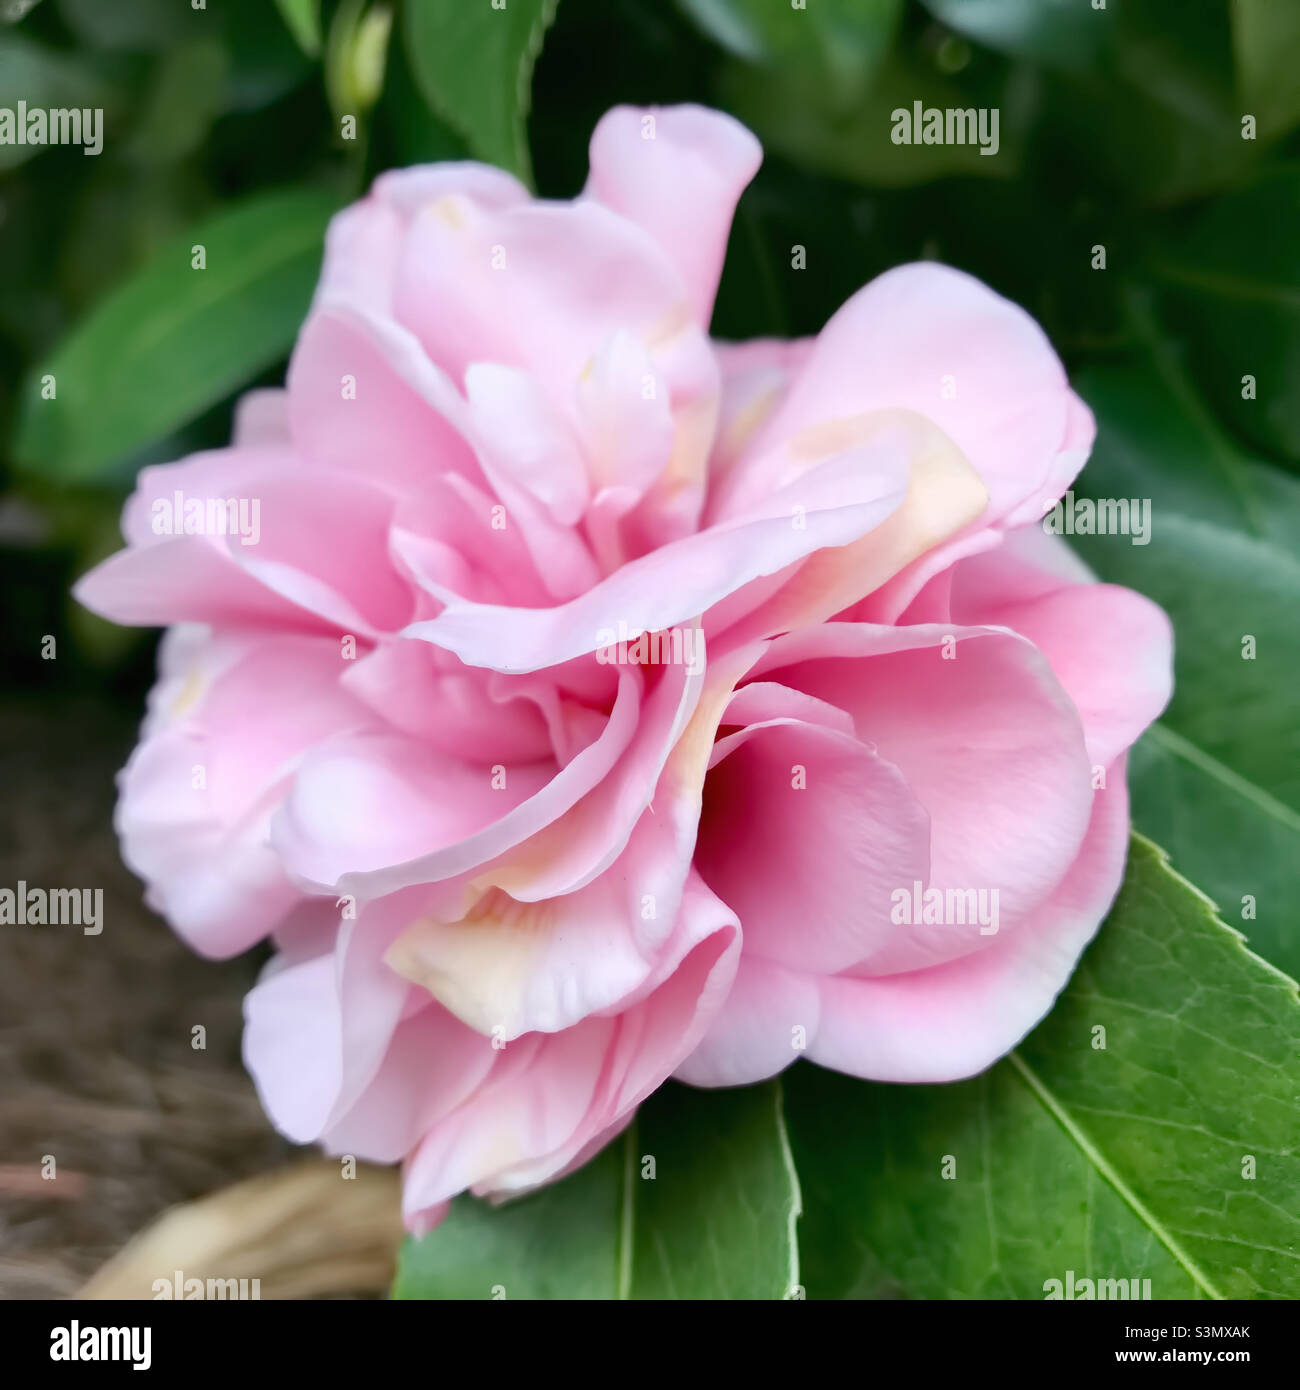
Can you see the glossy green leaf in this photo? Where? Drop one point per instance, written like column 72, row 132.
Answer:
column 474, row 66
column 1231, row 726
column 303, row 20
column 265, row 60
column 1242, row 845
column 838, row 42
column 560, row 1243
column 144, row 25
column 414, row 134
column 175, row 340
column 719, row 1219
column 794, row 113
column 1215, row 781
column 1059, row 33
column 697, row 1199
column 1155, row 119
column 1233, row 698
column 1233, row 284
column 11, row 11
column 183, row 100
column 1157, row 438
column 1179, row 156
column 1146, row 1130
column 1265, row 39
column 45, row 79
column 1181, row 56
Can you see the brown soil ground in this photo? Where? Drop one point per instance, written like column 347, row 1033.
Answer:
column 96, row 1066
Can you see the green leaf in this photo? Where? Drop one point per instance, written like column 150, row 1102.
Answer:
column 265, row 60
column 1155, row 119
column 1155, row 440
column 45, row 79
column 713, row 1217
column 474, row 66
column 1265, row 41
column 140, row 25
column 1241, row 843
column 1122, row 1162
column 1235, row 702
column 839, row 42
column 11, row 11
column 303, row 20
column 719, row 1219
column 1215, row 781
column 560, row 1243
column 184, row 99
column 1057, row 33
column 795, row 113
column 1180, row 155
column 1157, row 437
column 1233, row 285
column 1181, row 56
column 414, row 135
column 1231, row 723
column 175, row 340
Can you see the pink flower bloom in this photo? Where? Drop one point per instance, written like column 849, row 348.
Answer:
column 861, row 795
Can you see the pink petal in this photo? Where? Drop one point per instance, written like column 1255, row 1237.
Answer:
column 834, row 501
column 805, row 833
column 943, row 496
column 931, row 339
column 954, row 1020
column 765, row 1024
column 677, row 171
column 240, row 712
column 577, row 1086
column 987, row 742
column 314, row 554
column 545, row 287
column 261, row 417
column 433, row 1064
column 362, row 803
column 364, row 399
column 317, row 1030
column 422, row 692
column 363, row 244
column 1110, row 648
column 509, row 964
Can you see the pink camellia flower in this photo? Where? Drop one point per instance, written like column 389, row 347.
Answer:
column 577, row 701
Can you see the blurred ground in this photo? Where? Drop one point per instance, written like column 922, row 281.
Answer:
column 96, row 1066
